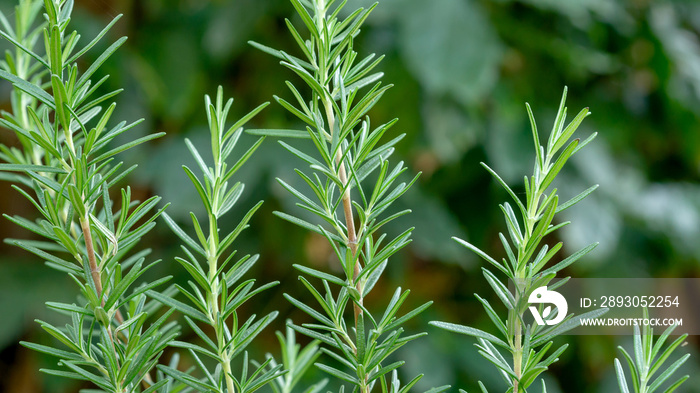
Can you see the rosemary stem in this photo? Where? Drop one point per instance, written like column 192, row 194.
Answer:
column 517, row 355
column 96, row 275
column 229, row 381
column 347, row 210
column 89, row 246
column 350, row 224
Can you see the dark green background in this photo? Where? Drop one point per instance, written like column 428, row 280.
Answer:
column 462, row 71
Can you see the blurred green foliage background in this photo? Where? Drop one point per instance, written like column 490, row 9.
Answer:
column 462, row 71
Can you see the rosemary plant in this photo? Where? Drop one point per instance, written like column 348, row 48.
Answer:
column 215, row 294
column 525, row 266
column 649, row 360
column 66, row 169
column 296, row 362
column 351, row 208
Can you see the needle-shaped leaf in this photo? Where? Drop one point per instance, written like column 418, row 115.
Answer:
column 127, row 146
column 559, row 164
column 24, row 48
column 482, row 254
column 470, row 331
column 182, row 235
column 570, row 259
column 621, row 380
column 500, row 289
column 319, row 274
column 570, row 129
column 179, row 306
column 85, row 77
column 279, row 133
column 29, row 88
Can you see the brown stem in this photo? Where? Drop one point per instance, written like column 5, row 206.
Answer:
column 342, row 175
column 97, row 279
column 95, row 272
column 352, row 240
column 94, row 269
column 350, row 224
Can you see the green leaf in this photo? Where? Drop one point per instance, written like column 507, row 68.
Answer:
column 28, row 167
column 470, row 331
column 301, row 155
column 529, row 376
column 668, row 372
column 242, row 160
column 482, row 254
column 94, row 40
column 70, row 308
column 179, row 306
column 500, row 289
column 313, row 334
column 676, row 384
column 24, row 49
column 570, row 259
column 338, row 374
column 62, row 103
column 633, row 369
column 59, row 335
column 293, row 110
column 308, row 202
column 558, row 121
column 492, row 315
column 279, row 133
column 535, row 136
column 245, row 336
column 29, row 88
column 508, row 189
column 666, row 354
column 309, row 79
column 198, row 158
column 410, row 315
column 187, row 379
column 69, row 266
column 303, row 224
column 308, row 20
column 385, row 370
column 183, row 236
column 622, row 382
column 195, row 348
column 85, row 77
column 569, row 130
column 321, row 275
column 373, row 277
column 585, row 142
column 566, row 326
column 499, row 362
column 315, row 314
column 242, row 225
column 127, row 146
column 558, row 164
column 61, row 354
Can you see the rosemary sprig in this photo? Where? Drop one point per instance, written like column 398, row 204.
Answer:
column 351, row 186
column 527, row 260
column 215, row 291
column 66, row 169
